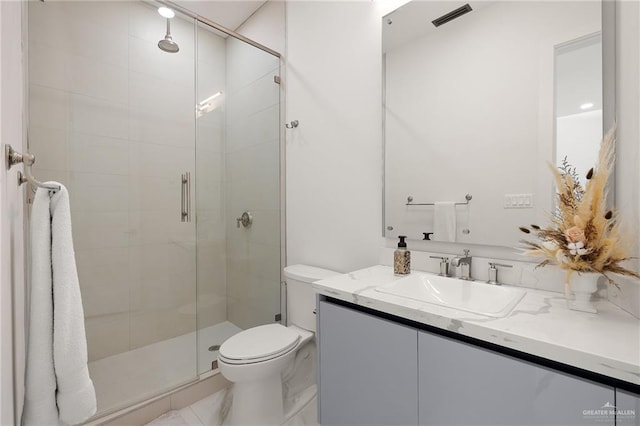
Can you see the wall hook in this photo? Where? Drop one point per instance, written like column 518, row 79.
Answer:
column 292, row 125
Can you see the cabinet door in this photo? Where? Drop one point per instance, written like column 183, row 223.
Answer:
column 628, row 408
column 461, row 384
column 367, row 369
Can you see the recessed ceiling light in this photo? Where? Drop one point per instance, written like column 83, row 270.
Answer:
column 587, row 105
column 165, row 12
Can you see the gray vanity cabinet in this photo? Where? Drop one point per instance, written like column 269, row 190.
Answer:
column 462, row 384
column 367, row 369
column 628, row 407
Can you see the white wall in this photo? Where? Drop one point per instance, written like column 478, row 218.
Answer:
column 111, row 117
column 334, row 158
column 12, row 272
column 267, row 26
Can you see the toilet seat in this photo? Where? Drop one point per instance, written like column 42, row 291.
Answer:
column 258, row 344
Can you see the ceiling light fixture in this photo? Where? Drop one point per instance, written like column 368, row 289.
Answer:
column 587, row 105
column 165, row 12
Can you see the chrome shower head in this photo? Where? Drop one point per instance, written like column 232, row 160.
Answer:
column 167, row 44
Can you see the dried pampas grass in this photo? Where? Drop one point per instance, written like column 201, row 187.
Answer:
column 584, row 235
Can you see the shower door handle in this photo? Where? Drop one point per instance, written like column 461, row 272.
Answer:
column 185, row 197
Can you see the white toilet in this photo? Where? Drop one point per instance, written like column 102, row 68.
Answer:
column 254, row 359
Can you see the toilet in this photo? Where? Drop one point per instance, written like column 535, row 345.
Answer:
column 254, row 359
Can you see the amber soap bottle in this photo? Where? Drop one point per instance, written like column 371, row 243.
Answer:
column 402, row 258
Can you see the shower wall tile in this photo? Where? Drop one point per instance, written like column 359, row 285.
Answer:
column 47, row 66
column 212, row 282
column 255, row 129
column 100, row 229
column 99, row 117
column 103, row 267
column 160, row 227
column 212, row 232
column 212, row 51
column 102, row 17
column 106, row 300
column 269, row 231
column 152, row 326
column 164, row 275
column 174, row 69
column 247, row 65
column 210, row 132
column 52, row 147
column 255, row 97
column 148, row 126
column 49, row 108
column 94, row 192
column 92, row 78
column 162, row 98
column 258, row 163
column 210, row 165
column 59, row 69
column 210, row 196
column 107, row 335
column 147, row 159
column 91, row 153
column 150, row 193
column 246, row 193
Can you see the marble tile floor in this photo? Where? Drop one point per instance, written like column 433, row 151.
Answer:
column 210, row 411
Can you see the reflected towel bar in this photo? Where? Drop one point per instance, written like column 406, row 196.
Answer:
column 13, row 157
column 410, row 202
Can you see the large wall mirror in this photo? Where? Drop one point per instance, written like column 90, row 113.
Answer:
column 476, row 107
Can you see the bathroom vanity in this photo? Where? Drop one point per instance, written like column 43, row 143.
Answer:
column 388, row 360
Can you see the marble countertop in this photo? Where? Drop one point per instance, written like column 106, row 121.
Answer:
column 607, row 343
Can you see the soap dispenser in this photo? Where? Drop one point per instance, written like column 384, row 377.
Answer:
column 402, row 258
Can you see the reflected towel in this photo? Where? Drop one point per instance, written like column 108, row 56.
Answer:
column 444, row 221
column 58, row 389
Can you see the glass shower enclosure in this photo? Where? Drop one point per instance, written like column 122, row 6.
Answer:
column 163, row 155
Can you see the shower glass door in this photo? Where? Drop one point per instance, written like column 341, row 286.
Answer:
column 161, row 152
column 238, row 173
column 111, row 116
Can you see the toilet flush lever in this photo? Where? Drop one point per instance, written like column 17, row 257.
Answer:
column 246, row 220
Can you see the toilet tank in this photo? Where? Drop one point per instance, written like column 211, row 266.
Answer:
column 301, row 298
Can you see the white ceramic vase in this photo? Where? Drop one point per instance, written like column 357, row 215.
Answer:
column 583, row 285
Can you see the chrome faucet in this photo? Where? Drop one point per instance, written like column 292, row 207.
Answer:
column 464, row 262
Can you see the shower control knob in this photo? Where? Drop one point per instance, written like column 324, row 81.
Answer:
column 246, row 220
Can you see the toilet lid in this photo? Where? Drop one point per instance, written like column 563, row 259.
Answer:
column 259, row 343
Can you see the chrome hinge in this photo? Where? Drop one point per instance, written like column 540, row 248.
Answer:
column 276, row 79
column 278, row 318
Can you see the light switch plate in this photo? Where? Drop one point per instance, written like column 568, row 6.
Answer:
column 518, row 201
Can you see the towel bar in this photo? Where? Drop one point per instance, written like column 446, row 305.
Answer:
column 410, row 202
column 13, row 157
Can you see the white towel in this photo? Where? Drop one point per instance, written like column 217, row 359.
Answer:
column 444, row 221
column 58, row 389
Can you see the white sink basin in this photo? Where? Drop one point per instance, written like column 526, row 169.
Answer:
column 470, row 296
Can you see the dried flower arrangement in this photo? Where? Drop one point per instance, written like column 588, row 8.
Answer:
column 584, row 236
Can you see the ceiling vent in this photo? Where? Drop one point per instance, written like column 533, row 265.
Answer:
column 452, row 15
